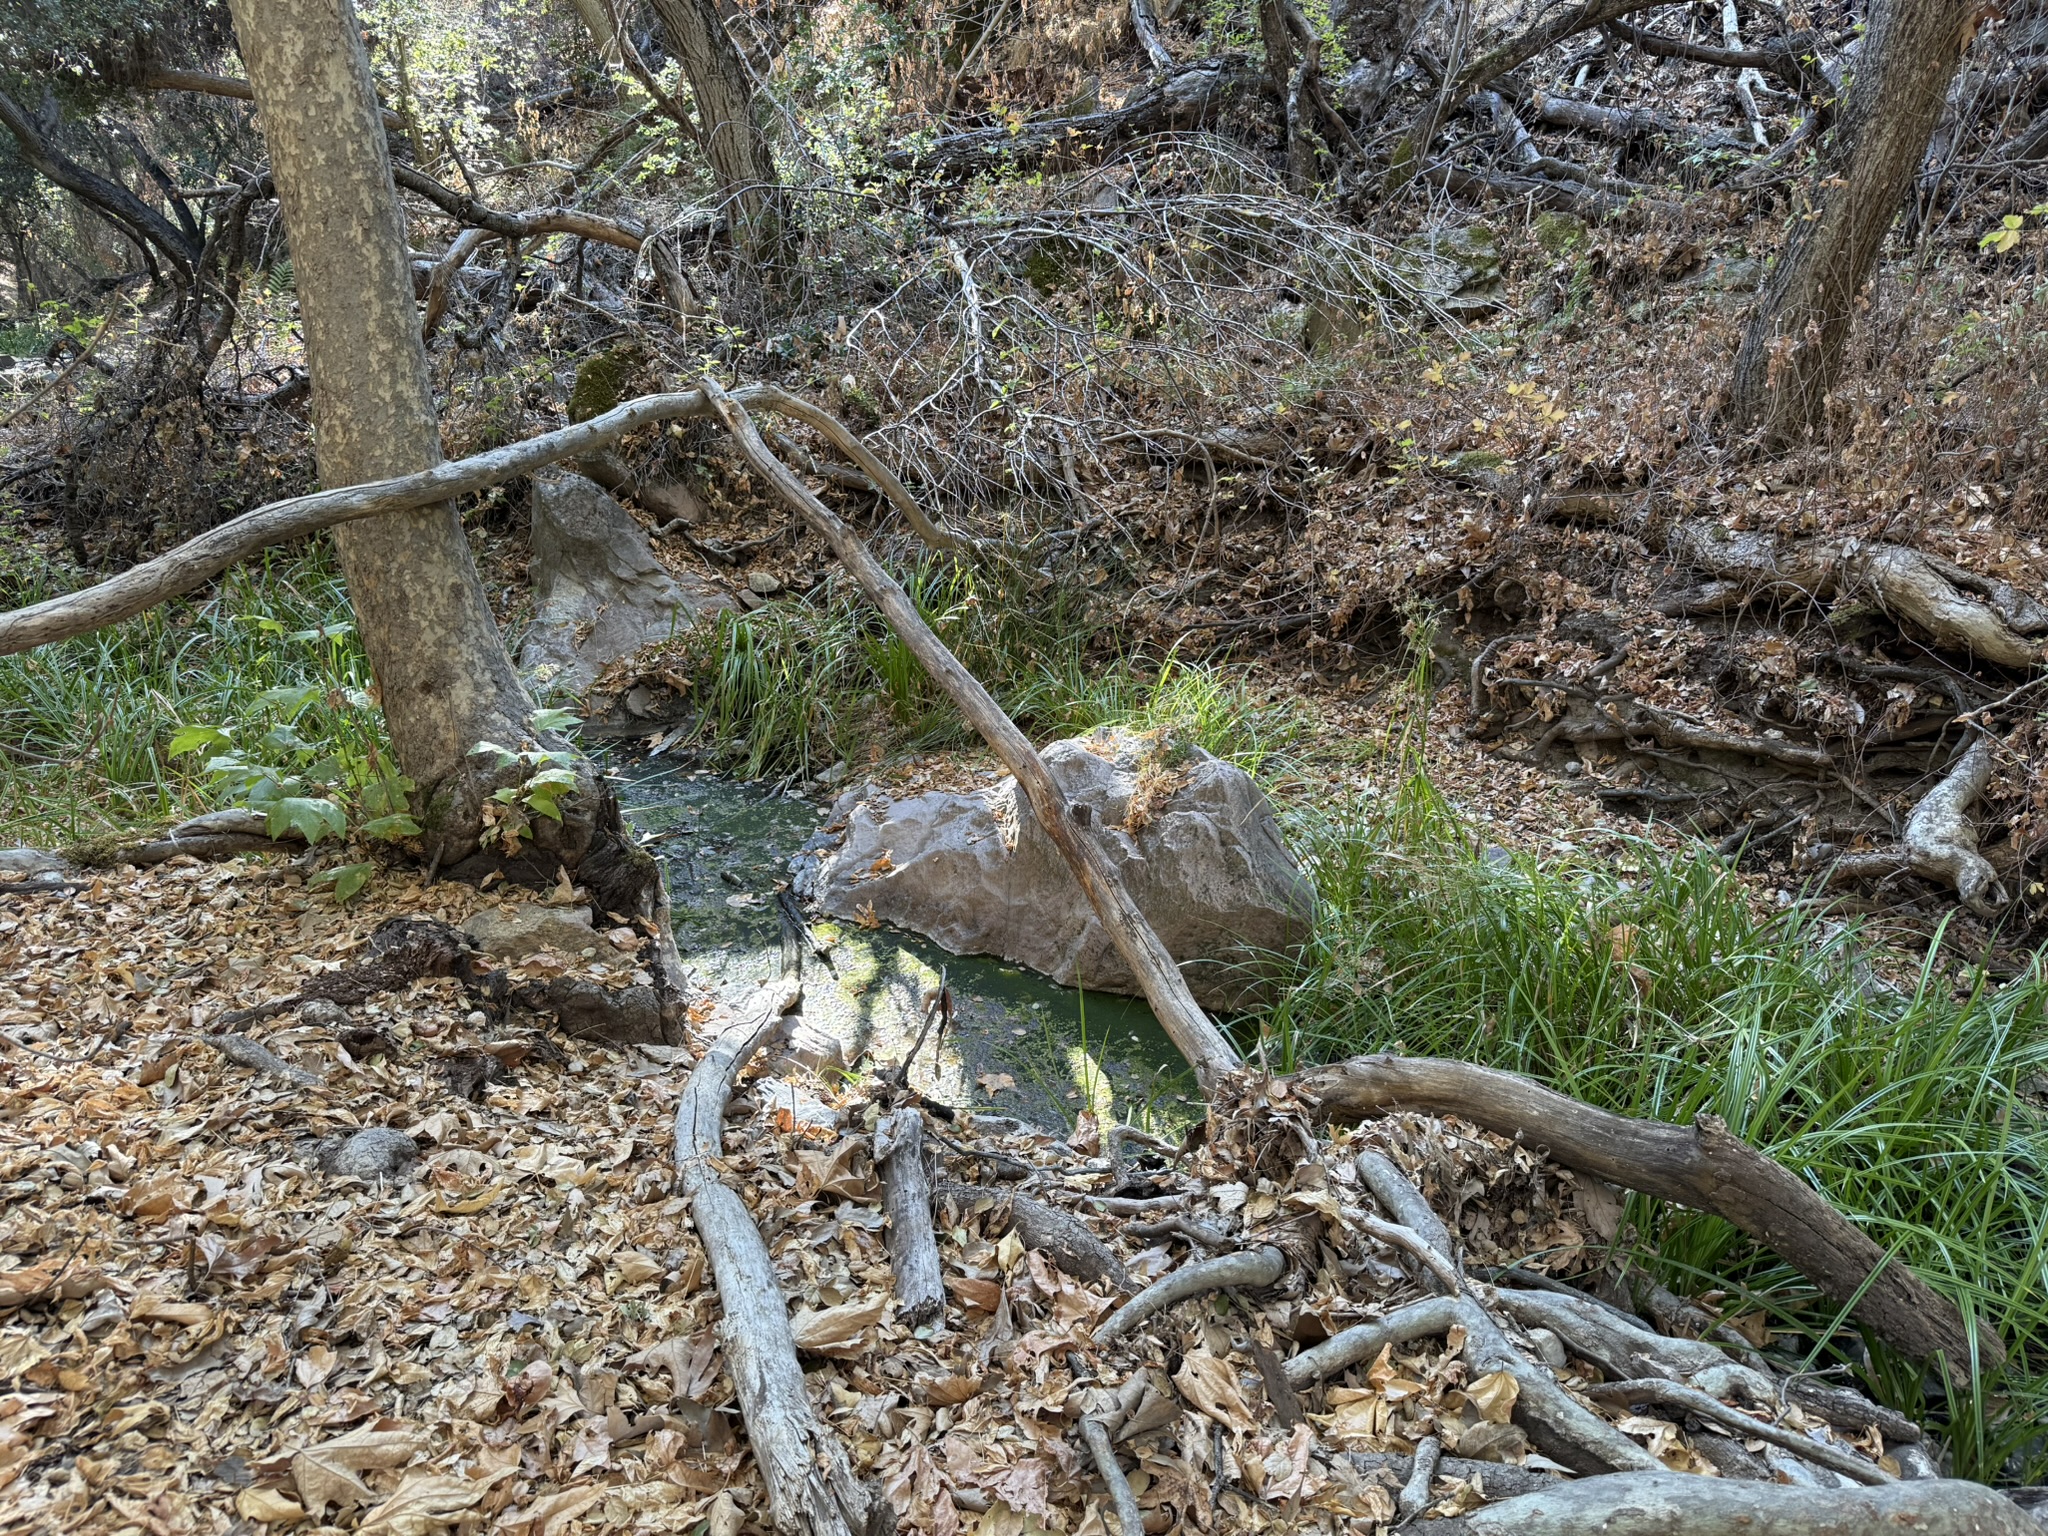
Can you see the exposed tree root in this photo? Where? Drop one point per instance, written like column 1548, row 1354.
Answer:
column 1702, row 1166
column 1252, row 1268
column 1672, row 1504
column 1130, row 1521
column 1676, row 1394
column 1941, row 842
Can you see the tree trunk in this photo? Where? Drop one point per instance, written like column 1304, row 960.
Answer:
column 1792, row 350
column 443, row 676
column 733, row 141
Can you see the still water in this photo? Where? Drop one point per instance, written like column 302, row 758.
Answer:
column 1019, row 1044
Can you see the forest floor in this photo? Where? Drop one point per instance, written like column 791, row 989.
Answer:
column 204, row 1327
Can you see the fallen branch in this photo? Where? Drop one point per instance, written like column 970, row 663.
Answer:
column 811, row 1487
column 1159, row 978
column 244, row 1052
column 625, row 234
column 1940, row 840
column 1076, row 1250
column 1402, row 1201
column 1702, row 1166
column 1622, row 1349
column 1676, row 1394
column 199, row 560
column 1675, row 1504
column 907, row 1198
column 1414, row 1497
column 1252, row 1268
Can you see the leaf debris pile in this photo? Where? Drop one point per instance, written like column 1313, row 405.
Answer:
column 199, row 1327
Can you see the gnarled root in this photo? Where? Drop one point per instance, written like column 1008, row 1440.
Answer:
column 1674, row 1504
column 1940, row 839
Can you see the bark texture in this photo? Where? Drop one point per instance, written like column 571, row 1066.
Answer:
column 733, row 141
column 442, row 672
column 1792, row 349
column 1702, row 1166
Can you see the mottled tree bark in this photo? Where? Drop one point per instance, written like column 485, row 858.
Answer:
column 733, row 141
column 443, row 677
column 1791, row 353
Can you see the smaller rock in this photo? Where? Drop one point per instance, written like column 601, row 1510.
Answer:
column 1549, row 1347
column 531, row 928
column 767, row 583
column 323, row 1013
column 807, row 1049
column 1494, row 1442
column 376, row 1153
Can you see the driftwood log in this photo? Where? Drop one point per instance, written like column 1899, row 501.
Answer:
column 1702, row 1166
column 811, row 1487
column 907, row 1198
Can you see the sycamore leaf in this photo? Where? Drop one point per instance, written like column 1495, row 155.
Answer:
column 427, row 1502
column 327, row 1474
column 311, row 819
column 837, row 1329
column 1208, row 1382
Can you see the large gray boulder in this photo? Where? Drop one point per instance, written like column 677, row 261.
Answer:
column 1201, row 856
column 599, row 592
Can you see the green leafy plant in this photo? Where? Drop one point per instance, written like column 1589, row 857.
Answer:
column 545, row 775
column 311, row 755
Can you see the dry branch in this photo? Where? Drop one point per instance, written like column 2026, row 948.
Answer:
column 1145, row 23
column 907, row 1198
column 1067, row 1240
column 627, row 235
column 1675, row 1504
column 1702, row 1166
column 199, row 560
column 811, row 1488
column 1252, row 1268
column 227, row 86
column 1199, row 1040
column 1129, row 1520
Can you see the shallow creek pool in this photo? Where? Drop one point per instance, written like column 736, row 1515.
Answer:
column 1020, row 1044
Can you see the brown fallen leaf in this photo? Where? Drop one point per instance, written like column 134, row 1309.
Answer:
column 53, row 1279
column 327, row 1474
column 148, row 1308
column 947, row 1391
column 1494, row 1396
column 837, row 1330
column 548, row 1515
column 1210, row 1385
column 268, row 1506
column 426, row 1502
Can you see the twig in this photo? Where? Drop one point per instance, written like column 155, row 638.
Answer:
column 1252, row 1268
column 1674, row 1394
column 1130, row 1521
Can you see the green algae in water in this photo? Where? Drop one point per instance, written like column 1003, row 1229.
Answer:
column 1020, row 1044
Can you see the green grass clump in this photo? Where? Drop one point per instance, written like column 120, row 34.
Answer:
column 807, row 680
column 1651, row 985
column 85, row 725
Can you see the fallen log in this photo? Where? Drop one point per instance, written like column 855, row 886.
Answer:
column 907, row 1199
column 1676, row 1504
column 811, row 1487
column 1702, row 1166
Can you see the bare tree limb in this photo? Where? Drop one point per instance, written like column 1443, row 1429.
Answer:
column 141, row 222
column 1703, row 1166
column 225, row 85
column 626, row 234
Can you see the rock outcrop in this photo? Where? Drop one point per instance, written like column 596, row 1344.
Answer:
column 1193, row 837
column 599, row 592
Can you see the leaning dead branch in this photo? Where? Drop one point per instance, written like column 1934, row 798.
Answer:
column 464, row 209
column 1159, row 978
column 1703, row 1166
column 811, row 1487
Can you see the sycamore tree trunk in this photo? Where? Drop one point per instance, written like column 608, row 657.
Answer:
column 1791, row 353
column 443, row 677
column 734, row 144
